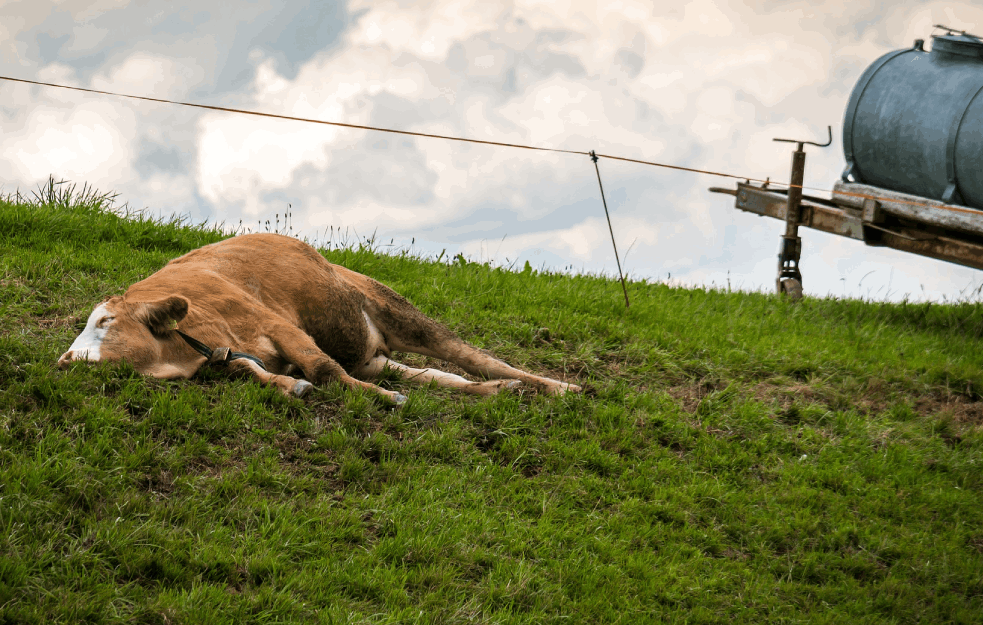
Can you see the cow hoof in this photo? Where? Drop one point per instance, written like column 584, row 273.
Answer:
column 491, row 387
column 301, row 388
column 562, row 389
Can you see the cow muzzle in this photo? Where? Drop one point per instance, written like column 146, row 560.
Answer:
column 73, row 356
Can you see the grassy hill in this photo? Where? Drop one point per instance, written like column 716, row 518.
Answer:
column 736, row 458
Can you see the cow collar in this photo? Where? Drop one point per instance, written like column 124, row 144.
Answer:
column 219, row 355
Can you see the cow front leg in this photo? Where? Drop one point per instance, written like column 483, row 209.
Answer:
column 298, row 348
column 287, row 385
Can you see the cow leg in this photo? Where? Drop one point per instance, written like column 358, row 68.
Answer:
column 484, row 365
column 298, row 348
column 408, row 330
column 289, row 386
column 375, row 366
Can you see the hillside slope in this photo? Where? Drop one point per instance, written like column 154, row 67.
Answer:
column 736, row 457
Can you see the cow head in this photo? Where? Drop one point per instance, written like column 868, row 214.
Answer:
column 137, row 332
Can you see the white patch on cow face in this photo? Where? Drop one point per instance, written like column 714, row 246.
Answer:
column 87, row 345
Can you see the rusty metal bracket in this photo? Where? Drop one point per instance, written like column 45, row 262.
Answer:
column 789, row 280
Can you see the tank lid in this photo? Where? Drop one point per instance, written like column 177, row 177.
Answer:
column 962, row 44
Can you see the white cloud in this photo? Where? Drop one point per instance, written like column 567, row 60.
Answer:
column 239, row 158
column 151, row 75
column 74, row 140
column 94, row 140
column 426, row 30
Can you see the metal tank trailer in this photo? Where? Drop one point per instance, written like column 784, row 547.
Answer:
column 913, row 144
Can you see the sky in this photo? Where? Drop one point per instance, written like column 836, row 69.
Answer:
column 700, row 84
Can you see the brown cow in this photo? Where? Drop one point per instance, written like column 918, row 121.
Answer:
column 278, row 300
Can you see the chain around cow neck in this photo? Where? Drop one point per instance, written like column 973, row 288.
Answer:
column 220, row 355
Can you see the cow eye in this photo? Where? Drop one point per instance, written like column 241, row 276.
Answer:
column 102, row 322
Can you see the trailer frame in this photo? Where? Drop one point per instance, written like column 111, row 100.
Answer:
column 878, row 217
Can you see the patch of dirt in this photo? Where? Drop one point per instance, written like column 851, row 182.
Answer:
column 733, row 554
column 58, row 322
column 691, row 394
column 875, row 398
column 12, row 282
column 159, row 483
column 961, row 408
column 294, row 457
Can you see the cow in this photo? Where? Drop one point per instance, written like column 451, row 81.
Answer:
column 272, row 306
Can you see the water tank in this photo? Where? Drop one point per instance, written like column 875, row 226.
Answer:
column 914, row 122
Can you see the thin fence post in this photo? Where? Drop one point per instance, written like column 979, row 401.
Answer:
column 621, row 275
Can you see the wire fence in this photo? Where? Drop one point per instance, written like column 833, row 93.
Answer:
column 592, row 154
column 227, row 109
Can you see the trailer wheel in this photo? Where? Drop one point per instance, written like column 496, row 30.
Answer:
column 792, row 288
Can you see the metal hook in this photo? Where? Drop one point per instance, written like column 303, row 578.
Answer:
column 799, row 144
column 829, row 131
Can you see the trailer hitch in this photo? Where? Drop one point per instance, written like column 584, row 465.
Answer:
column 789, row 279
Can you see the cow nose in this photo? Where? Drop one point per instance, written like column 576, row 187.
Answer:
column 66, row 359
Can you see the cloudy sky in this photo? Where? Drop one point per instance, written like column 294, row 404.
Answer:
column 703, row 84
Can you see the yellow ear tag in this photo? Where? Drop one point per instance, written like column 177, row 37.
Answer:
column 173, row 325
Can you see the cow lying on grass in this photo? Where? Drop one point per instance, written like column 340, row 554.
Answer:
column 272, row 305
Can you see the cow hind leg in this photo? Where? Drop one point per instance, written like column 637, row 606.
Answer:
column 375, row 366
column 484, row 365
column 408, row 330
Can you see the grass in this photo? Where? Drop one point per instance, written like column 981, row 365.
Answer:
column 736, row 458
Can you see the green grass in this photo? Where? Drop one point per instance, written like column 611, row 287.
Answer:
column 736, row 458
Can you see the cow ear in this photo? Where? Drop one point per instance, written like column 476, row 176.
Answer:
column 162, row 316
